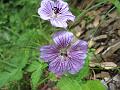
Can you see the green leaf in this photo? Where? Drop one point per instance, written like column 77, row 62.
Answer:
column 35, row 77
column 37, row 69
column 16, row 73
column 67, row 83
column 6, row 77
column 52, row 76
column 33, row 66
column 93, row 85
column 33, row 38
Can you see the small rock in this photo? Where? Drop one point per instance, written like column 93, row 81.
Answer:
column 101, row 37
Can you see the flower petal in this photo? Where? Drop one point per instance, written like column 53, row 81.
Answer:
column 66, row 16
column 45, row 11
column 80, row 45
column 63, row 6
column 58, row 22
column 49, row 53
column 73, row 66
column 62, row 38
column 58, row 66
column 77, row 55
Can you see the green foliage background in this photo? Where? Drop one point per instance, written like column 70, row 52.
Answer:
column 22, row 33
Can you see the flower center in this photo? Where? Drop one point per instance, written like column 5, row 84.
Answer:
column 56, row 10
column 63, row 52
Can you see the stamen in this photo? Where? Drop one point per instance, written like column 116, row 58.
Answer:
column 56, row 10
column 64, row 54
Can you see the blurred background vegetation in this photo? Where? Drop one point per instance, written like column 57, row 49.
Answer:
column 22, row 33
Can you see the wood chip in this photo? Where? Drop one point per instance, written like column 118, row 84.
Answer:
column 108, row 65
column 96, row 21
column 93, row 64
column 102, row 75
column 119, row 32
column 100, row 49
column 105, row 65
column 110, row 50
column 100, row 37
column 78, row 31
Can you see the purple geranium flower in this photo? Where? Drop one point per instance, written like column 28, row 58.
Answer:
column 64, row 56
column 56, row 11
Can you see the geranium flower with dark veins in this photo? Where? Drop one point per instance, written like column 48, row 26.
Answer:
column 64, row 56
column 57, row 12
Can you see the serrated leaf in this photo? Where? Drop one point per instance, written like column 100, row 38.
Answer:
column 18, row 73
column 93, row 85
column 5, row 77
column 35, row 77
column 15, row 73
column 32, row 38
column 33, row 66
column 67, row 83
column 37, row 68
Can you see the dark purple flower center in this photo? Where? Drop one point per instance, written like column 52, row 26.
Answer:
column 56, row 10
column 63, row 53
